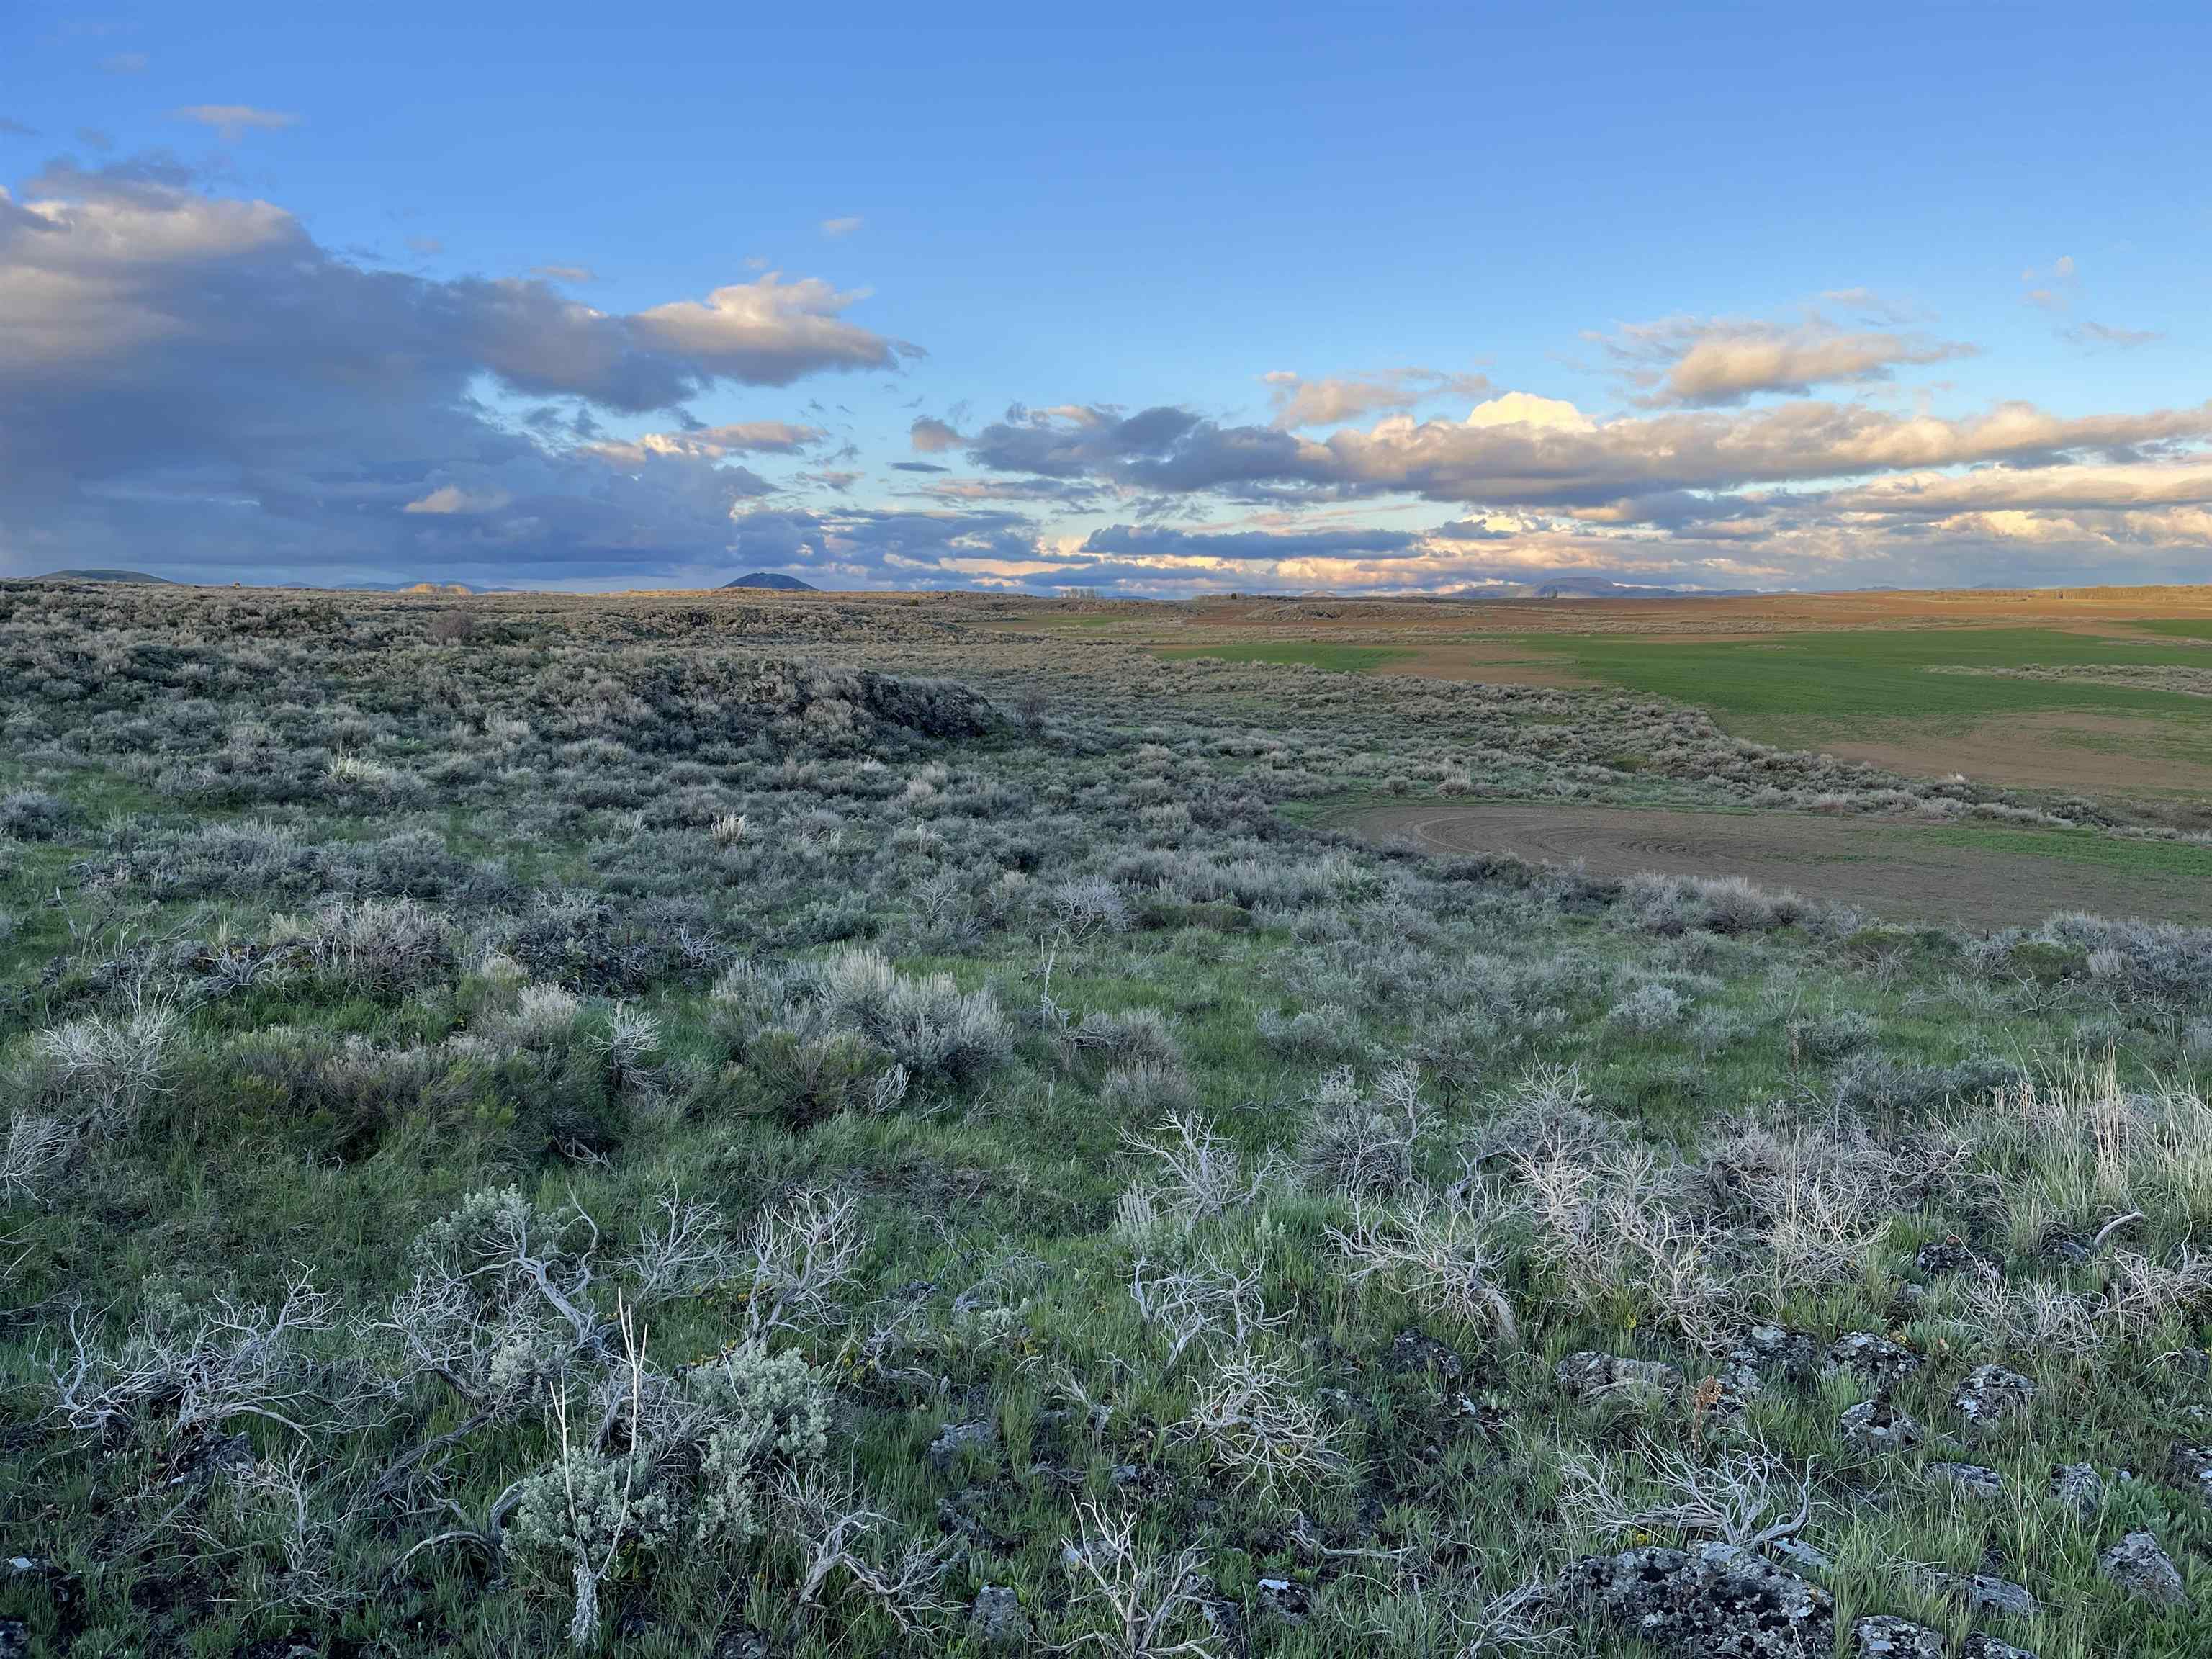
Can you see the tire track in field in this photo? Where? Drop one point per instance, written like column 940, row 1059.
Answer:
column 1892, row 867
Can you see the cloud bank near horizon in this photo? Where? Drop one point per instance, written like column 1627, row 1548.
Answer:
column 192, row 383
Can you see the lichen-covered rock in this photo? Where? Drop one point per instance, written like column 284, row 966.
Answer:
column 1973, row 1478
column 1877, row 1425
column 2190, row 1467
column 1285, row 1598
column 2080, row 1488
column 1984, row 1592
column 1885, row 1635
column 1991, row 1393
column 996, row 1619
column 1944, row 1255
column 1588, row 1373
column 1873, row 1360
column 2140, row 1567
column 1720, row 1603
column 1980, row 1645
column 981, row 1435
column 1768, row 1353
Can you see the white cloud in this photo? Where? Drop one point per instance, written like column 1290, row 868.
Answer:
column 1525, row 409
column 833, row 229
column 1712, row 361
column 1300, row 402
column 452, row 499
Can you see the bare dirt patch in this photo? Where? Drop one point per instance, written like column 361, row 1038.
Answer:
column 1899, row 870
column 2089, row 753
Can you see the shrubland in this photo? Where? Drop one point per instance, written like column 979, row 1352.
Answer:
column 743, row 1126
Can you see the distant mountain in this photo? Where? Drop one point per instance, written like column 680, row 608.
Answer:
column 103, row 576
column 770, row 579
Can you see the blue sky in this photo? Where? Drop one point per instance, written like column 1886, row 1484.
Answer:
column 1735, row 298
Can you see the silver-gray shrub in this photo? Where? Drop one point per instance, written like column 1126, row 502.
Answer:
column 1364, row 1141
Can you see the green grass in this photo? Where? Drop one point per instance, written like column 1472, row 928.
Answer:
column 1799, row 685
column 1811, row 690
column 1307, row 653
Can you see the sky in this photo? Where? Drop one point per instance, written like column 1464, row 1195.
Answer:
column 1158, row 301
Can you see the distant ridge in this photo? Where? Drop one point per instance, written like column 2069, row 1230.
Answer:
column 103, row 576
column 770, row 579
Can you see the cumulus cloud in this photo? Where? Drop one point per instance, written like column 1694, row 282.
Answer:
column 1520, row 450
column 451, row 498
column 168, row 355
column 712, row 442
column 235, row 121
column 931, row 436
column 1706, row 362
column 1302, row 402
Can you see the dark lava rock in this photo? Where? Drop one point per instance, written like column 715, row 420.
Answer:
column 1412, row 1351
column 1769, row 1353
column 2144, row 1570
column 2079, row 1487
column 1877, row 1425
column 996, row 1619
column 1720, row 1603
column 1944, row 1255
column 1968, row 1477
column 1979, row 1646
column 1285, row 1598
column 2190, row 1467
column 1991, row 1393
column 981, row 1435
column 1886, row 1636
column 1873, row 1358
column 1588, row 1373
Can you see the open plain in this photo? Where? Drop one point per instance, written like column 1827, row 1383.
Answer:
column 744, row 1123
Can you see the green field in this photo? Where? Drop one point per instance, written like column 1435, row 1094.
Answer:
column 1797, row 686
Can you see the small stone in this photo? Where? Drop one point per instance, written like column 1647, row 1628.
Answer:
column 1767, row 1353
column 2140, row 1567
column 1127, row 1474
column 1944, row 1255
column 1876, row 1359
column 1876, row 1425
column 1991, row 1393
column 1981, row 1646
column 1413, row 1350
column 980, row 1434
column 1968, row 1477
column 14, row 1639
column 1284, row 1599
column 2190, row 1467
column 1886, row 1636
column 1585, row 1374
column 2079, row 1487
column 996, row 1619
column 1986, row 1593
